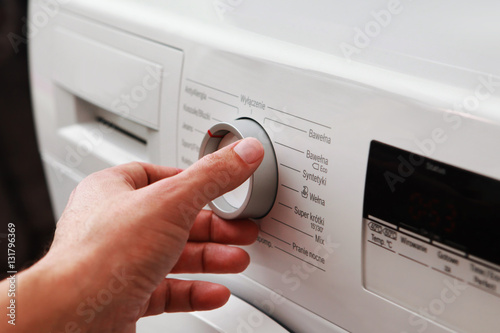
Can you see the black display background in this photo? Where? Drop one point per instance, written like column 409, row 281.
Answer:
column 444, row 203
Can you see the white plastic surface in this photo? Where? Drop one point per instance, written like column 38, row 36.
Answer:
column 108, row 77
column 174, row 323
column 89, row 71
column 235, row 316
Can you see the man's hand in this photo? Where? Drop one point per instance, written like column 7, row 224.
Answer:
column 125, row 229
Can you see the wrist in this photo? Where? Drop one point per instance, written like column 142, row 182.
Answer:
column 48, row 295
column 60, row 294
column 86, row 296
column 39, row 302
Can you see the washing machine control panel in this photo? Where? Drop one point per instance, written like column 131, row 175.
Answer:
column 351, row 216
column 289, row 191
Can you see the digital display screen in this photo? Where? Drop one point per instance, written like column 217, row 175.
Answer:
column 441, row 202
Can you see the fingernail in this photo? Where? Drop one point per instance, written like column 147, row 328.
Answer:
column 250, row 150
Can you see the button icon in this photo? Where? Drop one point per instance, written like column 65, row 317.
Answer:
column 305, row 192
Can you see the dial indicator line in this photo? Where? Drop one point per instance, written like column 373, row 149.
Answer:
column 288, row 187
column 275, row 237
column 210, row 87
column 214, row 136
column 305, row 119
column 307, row 262
column 286, row 166
column 292, row 127
column 281, row 144
column 305, row 233
column 280, row 203
column 218, row 101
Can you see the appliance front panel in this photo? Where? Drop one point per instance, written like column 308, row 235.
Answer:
column 333, row 253
column 314, row 247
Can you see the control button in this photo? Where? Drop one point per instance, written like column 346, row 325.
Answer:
column 255, row 197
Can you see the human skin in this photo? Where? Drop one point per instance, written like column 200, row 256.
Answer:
column 122, row 232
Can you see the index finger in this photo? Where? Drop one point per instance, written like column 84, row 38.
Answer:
column 209, row 227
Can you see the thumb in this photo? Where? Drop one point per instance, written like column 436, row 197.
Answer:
column 210, row 177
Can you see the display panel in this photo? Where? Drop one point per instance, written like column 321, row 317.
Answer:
column 440, row 202
column 430, row 239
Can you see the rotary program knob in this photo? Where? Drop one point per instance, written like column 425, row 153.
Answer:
column 255, row 197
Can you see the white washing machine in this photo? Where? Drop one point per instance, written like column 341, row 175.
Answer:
column 383, row 117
